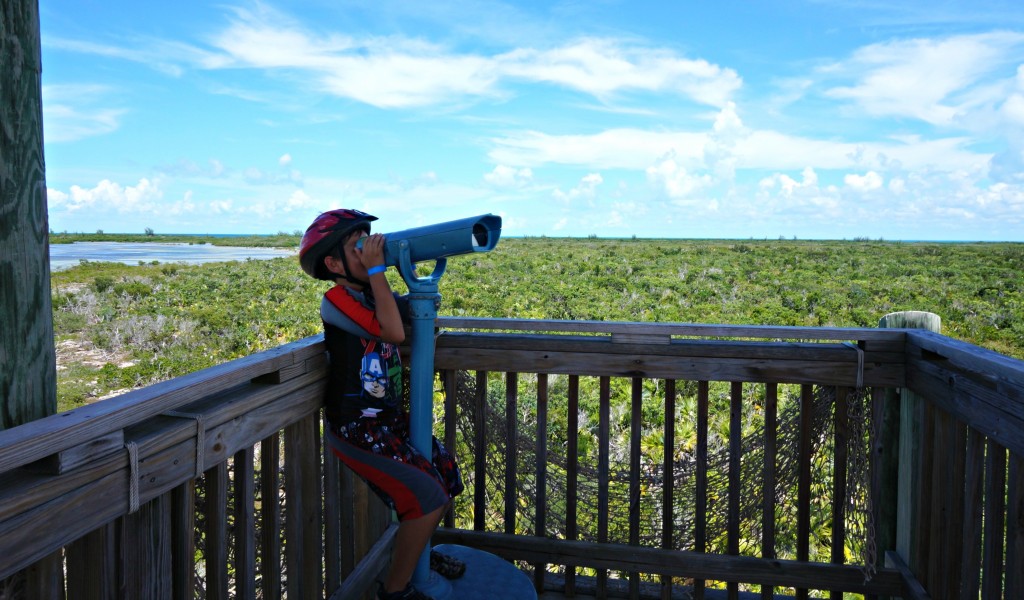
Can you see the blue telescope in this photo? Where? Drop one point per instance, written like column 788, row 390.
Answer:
column 441, row 240
column 403, row 249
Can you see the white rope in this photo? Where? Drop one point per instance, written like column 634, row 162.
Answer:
column 133, row 476
column 200, row 437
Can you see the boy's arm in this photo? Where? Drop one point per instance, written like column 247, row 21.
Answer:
column 392, row 329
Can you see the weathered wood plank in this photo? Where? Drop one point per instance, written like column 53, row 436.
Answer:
column 603, row 475
column 270, row 516
column 450, row 379
column 91, row 563
column 700, row 518
column 183, row 545
column 702, row 348
column 245, row 524
column 369, row 568
column 68, row 459
column 679, row 563
column 28, row 379
column 572, row 474
column 995, row 521
column 970, row 400
column 145, row 557
column 217, row 542
column 668, row 488
column 768, row 475
column 479, row 443
column 302, row 522
column 41, row 438
column 642, row 363
column 511, row 449
column 1015, row 528
column 911, row 587
column 680, row 329
column 161, row 469
column 541, row 475
column 805, row 458
column 735, row 475
column 974, row 470
column 840, row 462
column 635, row 431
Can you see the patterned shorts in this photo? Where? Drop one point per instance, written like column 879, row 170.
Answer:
column 379, row 451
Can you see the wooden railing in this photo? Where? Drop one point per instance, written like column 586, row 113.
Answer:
column 100, row 502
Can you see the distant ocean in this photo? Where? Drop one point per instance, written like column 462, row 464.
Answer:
column 63, row 256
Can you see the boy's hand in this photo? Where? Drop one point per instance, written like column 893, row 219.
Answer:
column 372, row 253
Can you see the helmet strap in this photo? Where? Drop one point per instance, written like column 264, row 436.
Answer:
column 350, row 278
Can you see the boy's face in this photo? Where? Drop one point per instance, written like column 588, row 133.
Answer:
column 352, row 258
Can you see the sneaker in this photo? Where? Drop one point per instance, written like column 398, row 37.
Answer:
column 409, row 593
column 446, row 566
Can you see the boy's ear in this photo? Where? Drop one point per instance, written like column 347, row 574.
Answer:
column 334, row 265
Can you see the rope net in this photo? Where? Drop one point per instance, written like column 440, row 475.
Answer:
column 858, row 544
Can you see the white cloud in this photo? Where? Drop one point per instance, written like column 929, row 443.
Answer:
column 867, row 182
column 505, row 176
column 72, row 112
column 602, row 67
column 400, row 72
column 612, row 148
column 108, row 196
column 586, row 189
column 924, row 78
column 675, row 181
column 787, row 185
column 285, row 160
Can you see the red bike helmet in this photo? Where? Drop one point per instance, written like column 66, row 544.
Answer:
column 327, row 231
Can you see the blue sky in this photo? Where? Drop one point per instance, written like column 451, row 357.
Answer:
column 809, row 119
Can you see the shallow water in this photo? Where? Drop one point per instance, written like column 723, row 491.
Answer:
column 64, row 256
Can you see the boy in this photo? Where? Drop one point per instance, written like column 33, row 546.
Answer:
column 368, row 427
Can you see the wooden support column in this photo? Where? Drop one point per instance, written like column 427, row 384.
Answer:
column 912, row 428
column 28, row 388
column 28, row 379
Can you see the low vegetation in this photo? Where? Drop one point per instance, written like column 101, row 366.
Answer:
column 119, row 327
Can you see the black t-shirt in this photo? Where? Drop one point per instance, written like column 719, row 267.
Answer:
column 365, row 372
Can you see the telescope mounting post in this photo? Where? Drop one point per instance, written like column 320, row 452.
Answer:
column 423, row 302
column 487, row 575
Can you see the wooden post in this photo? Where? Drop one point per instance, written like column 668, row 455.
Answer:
column 28, row 379
column 904, row 417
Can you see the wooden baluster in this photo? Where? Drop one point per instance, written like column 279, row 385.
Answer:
column 668, row 480
column 450, row 379
column 216, row 554
column 511, row 453
column 974, row 475
column 995, row 515
column 635, row 429
column 270, row 519
column 735, row 476
column 700, row 518
column 572, row 475
column 803, row 527
column 480, row 454
column 1015, row 529
column 541, row 474
column 771, row 426
column 604, row 434
column 840, row 462
column 245, row 525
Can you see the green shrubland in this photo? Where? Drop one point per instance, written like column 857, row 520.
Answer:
column 119, row 327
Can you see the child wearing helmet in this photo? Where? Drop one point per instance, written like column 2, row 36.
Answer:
column 368, row 426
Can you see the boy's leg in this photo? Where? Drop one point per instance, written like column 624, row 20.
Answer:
column 410, row 541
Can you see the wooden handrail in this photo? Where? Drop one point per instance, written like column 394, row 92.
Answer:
column 972, row 418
